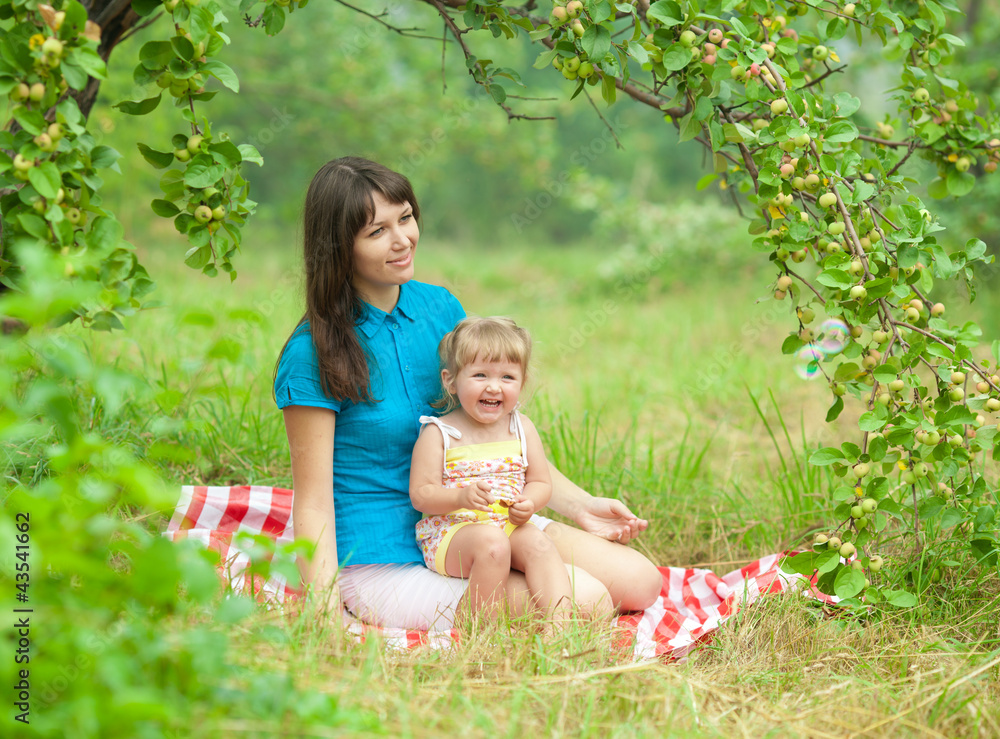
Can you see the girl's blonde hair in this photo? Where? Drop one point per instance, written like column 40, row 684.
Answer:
column 494, row 339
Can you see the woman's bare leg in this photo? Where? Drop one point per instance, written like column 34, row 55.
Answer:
column 590, row 596
column 632, row 580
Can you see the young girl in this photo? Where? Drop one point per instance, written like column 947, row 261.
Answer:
column 480, row 476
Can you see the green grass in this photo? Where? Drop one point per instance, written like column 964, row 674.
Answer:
column 666, row 390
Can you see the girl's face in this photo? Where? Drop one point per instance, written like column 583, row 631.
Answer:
column 383, row 253
column 488, row 391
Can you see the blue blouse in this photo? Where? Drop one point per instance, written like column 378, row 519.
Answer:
column 373, row 442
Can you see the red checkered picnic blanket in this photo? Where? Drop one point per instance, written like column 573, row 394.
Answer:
column 692, row 604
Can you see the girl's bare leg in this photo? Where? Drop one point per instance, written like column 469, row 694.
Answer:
column 482, row 554
column 534, row 554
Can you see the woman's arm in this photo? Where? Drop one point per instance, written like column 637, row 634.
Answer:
column 537, row 480
column 427, row 494
column 310, row 441
column 604, row 517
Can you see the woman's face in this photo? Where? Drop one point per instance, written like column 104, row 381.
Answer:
column 383, row 253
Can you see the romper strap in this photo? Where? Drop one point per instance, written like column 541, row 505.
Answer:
column 517, row 429
column 446, row 430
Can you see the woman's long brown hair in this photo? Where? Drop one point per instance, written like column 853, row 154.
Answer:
column 339, row 204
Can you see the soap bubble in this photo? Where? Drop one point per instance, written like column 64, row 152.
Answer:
column 807, row 361
column 836, row 336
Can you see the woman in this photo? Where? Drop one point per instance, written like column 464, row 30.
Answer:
column 362, row 367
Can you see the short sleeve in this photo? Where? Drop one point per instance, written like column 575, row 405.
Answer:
column 297, row 380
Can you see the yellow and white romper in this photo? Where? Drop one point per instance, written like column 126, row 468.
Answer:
column 500, row 463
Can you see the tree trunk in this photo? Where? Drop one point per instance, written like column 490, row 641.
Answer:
column 115, row 19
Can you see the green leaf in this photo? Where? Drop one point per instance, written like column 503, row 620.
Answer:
column 165, row 208
column 951, row 518
column 224, row 74
column 870, row 421
column 938, row 188
column 89, row 61
column 706, row 181
column 145, row 7
column 46, row 179
column 105, row 234
column 225, row 153
column 141, row 107
column 826, row 456
column 841, row 132
column 274, row 19
column 835, row 410
column 885, row 373
column 158, row 159
column 827, row 561
column 836, row 278
column 801, row 563
column 954, row 418
column 156, row 54
column 638, row 52
column 198, row 257
column 105, row 321
column 34, row 225
column 600, row 11
column 75, row 76
column 877, row 448
column 103, row 157
column 960, row 183
column 596, row 42
column 849, row 582
column 846, row 103
column 689, row 127
column 791, row 344
column 545, row 59
column 249, row 152
column 900, row 598
column 666, row 12
column 608, row 89
column 931, row 132
column 677, row 57
column 199, row 175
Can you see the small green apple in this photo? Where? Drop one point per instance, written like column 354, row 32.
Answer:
column 203, row 214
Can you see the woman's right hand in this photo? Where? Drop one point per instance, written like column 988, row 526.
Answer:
column 478, row 496
column 609, row 519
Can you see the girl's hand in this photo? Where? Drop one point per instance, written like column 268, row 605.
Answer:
column 520, row 510
column 477, row 497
